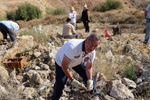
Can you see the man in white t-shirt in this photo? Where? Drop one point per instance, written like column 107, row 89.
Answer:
column 79, row 55
column 73, row 16
column 147, row 17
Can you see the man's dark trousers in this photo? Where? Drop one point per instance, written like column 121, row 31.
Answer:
column 86, row 25
column 61, row 79
column 4, row 29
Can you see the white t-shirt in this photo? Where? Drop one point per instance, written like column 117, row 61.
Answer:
column 148, row 9
column 74, row 50
column 72, row 16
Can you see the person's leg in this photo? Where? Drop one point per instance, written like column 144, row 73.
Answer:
column 75, row 35
column 11, row 34
column 147, row 35
column 87, row 27
column 84, row 22
column 80, row 69
column 61, row 79
column 4, row 31
column 4, row 34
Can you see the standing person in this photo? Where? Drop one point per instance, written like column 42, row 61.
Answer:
column 86, row 18
column 73, row 16
column 79, row 55
column 9, row 27
column 68, row 30
column 147, row 17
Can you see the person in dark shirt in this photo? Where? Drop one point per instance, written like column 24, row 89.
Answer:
column 85, row 17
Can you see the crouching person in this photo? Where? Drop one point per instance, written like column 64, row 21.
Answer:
column 9, row 27
column 79, row 55
column 69, row 30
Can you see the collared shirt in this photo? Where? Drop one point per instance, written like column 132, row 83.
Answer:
column 148, row 11
column 10, row 24
column 68, row 29
column 72, row 15
column 74, row 51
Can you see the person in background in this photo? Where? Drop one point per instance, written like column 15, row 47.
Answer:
column 73, row 16
column 86, row 18
column 79, row 55
column 9, row 27
column 147, row 18
column 69, row 30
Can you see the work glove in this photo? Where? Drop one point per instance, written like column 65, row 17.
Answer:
column 89, row 85
column 77, row 84
column 17, row 37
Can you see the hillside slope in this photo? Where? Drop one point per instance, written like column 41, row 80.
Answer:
column 43, row 4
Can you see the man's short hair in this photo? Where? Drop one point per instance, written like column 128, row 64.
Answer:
column 94, row 35
column 68, row 20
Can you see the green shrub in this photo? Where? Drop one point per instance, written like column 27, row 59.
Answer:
column 131, row 72
column 108, row 5
column 38, row 37
column 25, row 12
column 11, row 15
column 58, row 11
column 28, row 12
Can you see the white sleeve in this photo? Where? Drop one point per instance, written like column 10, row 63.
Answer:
column 69, row 52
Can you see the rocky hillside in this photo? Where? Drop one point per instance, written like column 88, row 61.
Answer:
column 36, row 80
column 66, row 4
column 43, row 4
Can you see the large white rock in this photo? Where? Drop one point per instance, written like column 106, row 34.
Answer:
column 120, row 91
column 22, row 44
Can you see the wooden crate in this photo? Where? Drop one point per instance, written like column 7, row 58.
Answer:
column 15, row 62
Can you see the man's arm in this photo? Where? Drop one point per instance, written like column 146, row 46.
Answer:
column 89, row 71
column 15, row 32
column 88, row 14
column 65, row 68
column 73, row 29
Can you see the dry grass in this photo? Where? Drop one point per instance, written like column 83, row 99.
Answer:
column 80, row 26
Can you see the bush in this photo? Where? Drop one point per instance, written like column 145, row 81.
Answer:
column 25, row 12
column 11, row 15
column 58, row 11
column 28, row 12
column 131, row 72
column 108, row 5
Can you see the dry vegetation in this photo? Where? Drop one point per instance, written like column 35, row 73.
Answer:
column 130, row 20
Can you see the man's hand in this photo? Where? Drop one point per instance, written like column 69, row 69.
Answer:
column 77, row 84
column 89, row 85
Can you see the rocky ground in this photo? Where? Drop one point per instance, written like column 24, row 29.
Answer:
column 36, row 80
